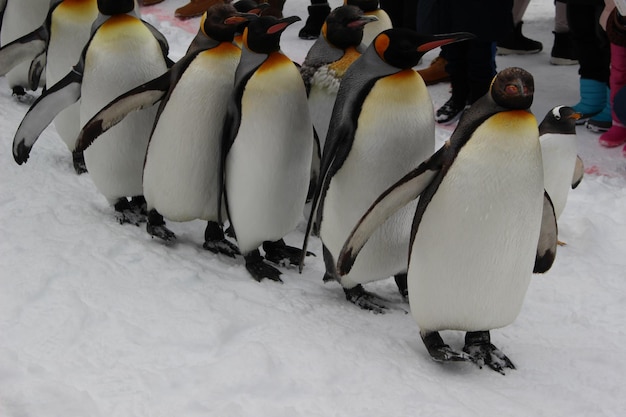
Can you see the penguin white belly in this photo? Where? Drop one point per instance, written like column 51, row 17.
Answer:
column 122, row 55
column 473, row 254
column 559, row 154
column 324, row 87
column 373, row 29
column 182, row 165
column 395, row 134
column 20, row 18
column 267, row 167
column 69, row 32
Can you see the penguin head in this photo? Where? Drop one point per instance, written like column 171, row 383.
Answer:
column 513, row 88
column 250, row 6
column 344, row 26
column 263, row 34
column 403, row 48
column 561, row 119
column 113, row 7
column 365, row 5
column 221, row 21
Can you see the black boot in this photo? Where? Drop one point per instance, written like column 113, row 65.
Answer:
column 563, row 52
column 517, row 43
column 318, row 11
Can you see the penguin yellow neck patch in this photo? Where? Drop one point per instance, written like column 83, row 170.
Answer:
column 274, row 60
column 78, row 7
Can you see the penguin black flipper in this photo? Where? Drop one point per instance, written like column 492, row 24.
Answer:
column 145, row 95
column 37, row 66
column 546, row 248
column 58, row 97
column 410, row 187
column 579, row 172
column 28, row 47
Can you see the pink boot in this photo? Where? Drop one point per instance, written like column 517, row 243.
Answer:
column 616, row 135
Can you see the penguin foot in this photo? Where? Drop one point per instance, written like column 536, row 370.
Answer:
column 222, row 246
column 160, row 231
column 561, row 243
column 279, row 253
column 478, row 346
column 366, row 300
column 126, row 213
column 440, row 351
column 22, row 96
column 259, row 269
column 78, row 160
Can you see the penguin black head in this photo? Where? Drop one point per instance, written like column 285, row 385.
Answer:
column 561, row 119
column 263, row 34
column 365, row 5
column 513, row 88
column 113, row 7
column 344, row 26
column 250, row 6
column 220, row 22
column 403, row 48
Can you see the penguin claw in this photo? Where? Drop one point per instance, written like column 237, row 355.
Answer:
column 281, row 254
column 222, row 246
column 366, row 300
column 260, row 270
column 440, row 351
column 129, row 217
column 482, row 353
column 161, row 232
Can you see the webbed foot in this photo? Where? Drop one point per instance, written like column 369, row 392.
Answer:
column 156, row 227
column 366, row 300
column 440, row 351
column 215, row 241
column 478, row 346
column 279, row 253
column 125, row 213
column 259, row 269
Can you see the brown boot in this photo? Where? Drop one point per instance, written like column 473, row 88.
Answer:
column 195, row 8
column 436, row 73
column 149, row 2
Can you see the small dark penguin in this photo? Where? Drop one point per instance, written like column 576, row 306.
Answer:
column 382, row 125
column 123, row 52
column 267, row 147
column 483, row 224
column 371, row 8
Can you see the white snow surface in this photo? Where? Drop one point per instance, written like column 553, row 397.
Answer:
column 98, row 319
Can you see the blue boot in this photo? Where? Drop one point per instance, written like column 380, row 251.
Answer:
column 602, row 121
column 593, row 99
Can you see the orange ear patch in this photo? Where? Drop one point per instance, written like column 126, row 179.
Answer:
column 381, row 44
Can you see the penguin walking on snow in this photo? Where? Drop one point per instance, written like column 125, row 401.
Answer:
column 382, row 125
column 483, row 224
column 267, row 147
column 181, row 170
column 56, row 45
column 123, row 52
column 338, row 46
column 562, row 167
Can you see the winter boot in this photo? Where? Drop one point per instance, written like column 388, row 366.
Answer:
column 195, row 8
column 593, row 99
column 436, row 72
column 318, row 11
column 563, row 52
column 602, row 121
column 517, row 43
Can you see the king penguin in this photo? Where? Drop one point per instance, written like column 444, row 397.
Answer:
column 382, row 125
column 181, row 169
column 56, row 46
column 482, row 226
column 338, row 46
column 557, row 135
column 19, row 18
column 267, row 147
column 371, row 8
column 123, row 52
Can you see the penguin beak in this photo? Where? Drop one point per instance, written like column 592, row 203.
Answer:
column 576, row 116
column 257, row 10
column 239, row 18
column 282, row 24
column 445, row 39
column 362, row 21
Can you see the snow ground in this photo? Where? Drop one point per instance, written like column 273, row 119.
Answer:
column 98, row 319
